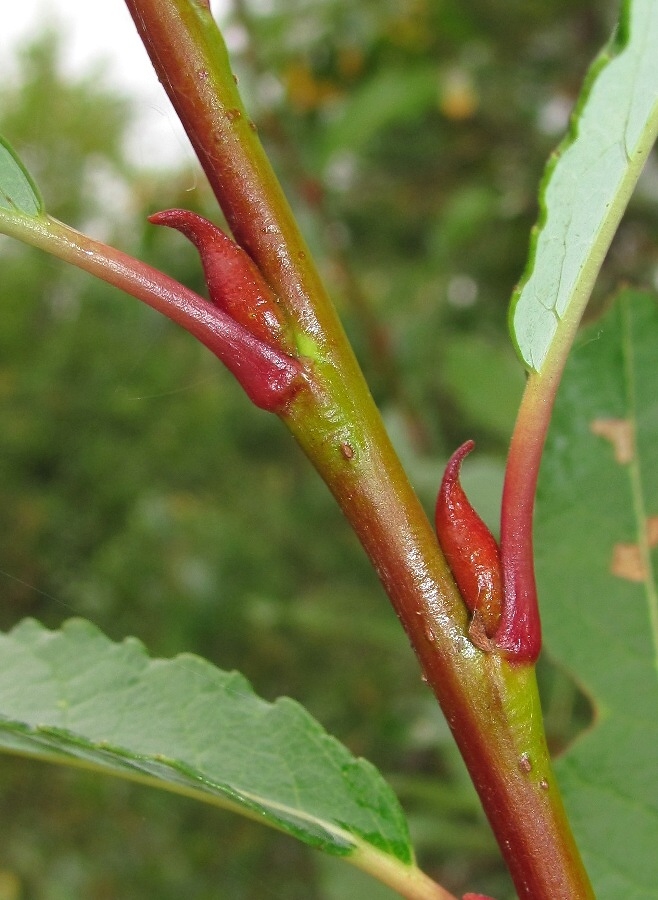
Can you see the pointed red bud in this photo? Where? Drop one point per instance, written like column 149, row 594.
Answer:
column 244, row 327
column 235, row 284
column 471, row 552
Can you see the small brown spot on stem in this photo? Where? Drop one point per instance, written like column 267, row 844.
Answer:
column 627, row 562
column 543, row 784
column 525, row 764
column 347, row 450
column 620, row 434
column 233, row 114
column 478, row 635
column 429, row 633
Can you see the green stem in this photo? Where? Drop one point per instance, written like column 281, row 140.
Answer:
column 408, row 881
column 190, row 58
column 490, row 704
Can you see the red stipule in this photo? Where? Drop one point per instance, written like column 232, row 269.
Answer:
column 235, row 284
column 244, row 327
column 472, row 553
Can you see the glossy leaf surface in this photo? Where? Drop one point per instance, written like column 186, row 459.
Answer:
column 75, row 697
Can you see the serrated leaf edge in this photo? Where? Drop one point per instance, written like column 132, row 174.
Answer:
column 616, row 45
column 329, row 835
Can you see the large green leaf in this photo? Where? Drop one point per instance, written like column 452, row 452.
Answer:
column 597, row 519
column 73, row 696
column 18, row 193
column 587, row 185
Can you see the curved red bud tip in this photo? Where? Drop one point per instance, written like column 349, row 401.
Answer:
column 243, row 326
column 471, row 552
column 234, row 282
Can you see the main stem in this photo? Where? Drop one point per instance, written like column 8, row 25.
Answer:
column 490, row 705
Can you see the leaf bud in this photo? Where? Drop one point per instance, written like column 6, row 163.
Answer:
column 471, row 551
column 235, row 284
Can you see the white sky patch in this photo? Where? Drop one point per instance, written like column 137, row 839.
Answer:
column 104, row 32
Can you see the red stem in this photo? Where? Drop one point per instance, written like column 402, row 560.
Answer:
column 519, row 633
column 491, row 705
column 269, row 377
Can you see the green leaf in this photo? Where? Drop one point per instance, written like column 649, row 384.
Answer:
column 18, row 193
column 75, row 697
column 587, row 185
column 485, row 380
column 596, row 531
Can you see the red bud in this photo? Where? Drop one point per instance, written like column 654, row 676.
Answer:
column 234, row 282
column 244, row 327
column 471, row 552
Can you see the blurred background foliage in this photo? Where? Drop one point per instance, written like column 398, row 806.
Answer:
column 139, row 488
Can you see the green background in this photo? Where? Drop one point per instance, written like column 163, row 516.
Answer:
column 139, row 489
